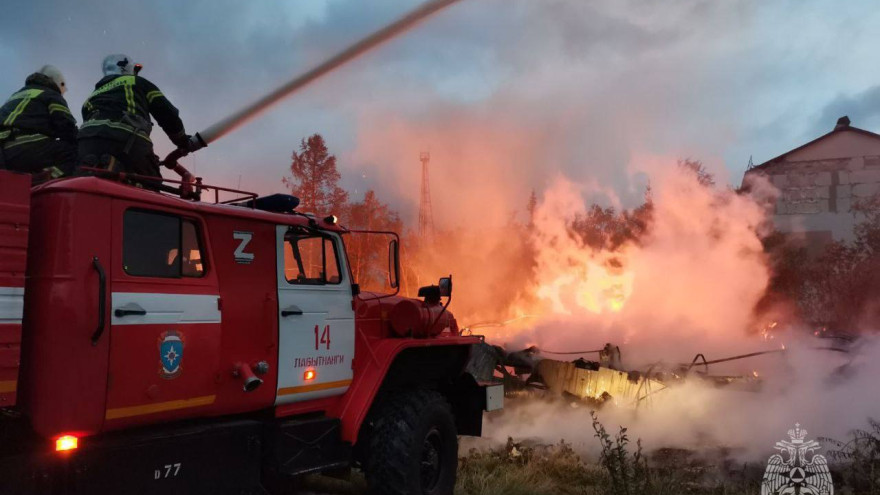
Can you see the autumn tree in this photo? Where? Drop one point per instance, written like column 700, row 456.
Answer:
column 314, row 178
column 704, row 177
column 606, row 228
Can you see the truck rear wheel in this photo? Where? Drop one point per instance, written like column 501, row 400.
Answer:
column 413, row 446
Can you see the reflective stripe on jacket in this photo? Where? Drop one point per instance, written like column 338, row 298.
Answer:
column 100, row 125
column 10, row 141
column 122, row 105
column 39, row 108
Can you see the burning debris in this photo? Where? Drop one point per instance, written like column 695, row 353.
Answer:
column 531, row 372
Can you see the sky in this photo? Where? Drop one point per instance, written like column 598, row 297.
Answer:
column 513, row 92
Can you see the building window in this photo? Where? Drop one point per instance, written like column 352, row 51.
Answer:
column 310, row 259
column 160, row 245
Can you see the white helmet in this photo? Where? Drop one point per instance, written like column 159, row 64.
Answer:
column 55, row 75
column 117, row 64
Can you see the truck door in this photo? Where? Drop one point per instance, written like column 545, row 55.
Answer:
column 165, row 318
column 315, row 314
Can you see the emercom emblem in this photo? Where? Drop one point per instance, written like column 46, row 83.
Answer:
column 170, row 354
column 792, row 472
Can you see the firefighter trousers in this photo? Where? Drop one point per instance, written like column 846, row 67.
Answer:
column 134, row 157
column 36, row 157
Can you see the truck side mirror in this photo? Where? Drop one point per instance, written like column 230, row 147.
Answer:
column 394, row 264
column 445, row 285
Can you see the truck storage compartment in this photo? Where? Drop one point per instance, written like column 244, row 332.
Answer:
column 15, row 191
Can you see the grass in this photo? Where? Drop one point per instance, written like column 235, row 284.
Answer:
column 624, row 468
column 857, row 461
column 512, row 470
column 520, row 470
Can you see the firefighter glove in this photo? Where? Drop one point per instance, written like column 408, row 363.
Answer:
column 181, row 141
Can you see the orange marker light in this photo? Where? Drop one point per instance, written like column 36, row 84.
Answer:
column 65, row 443
column 310, row 375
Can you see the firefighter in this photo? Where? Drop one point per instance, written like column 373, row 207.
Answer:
column 115, row 133
column 37, row 130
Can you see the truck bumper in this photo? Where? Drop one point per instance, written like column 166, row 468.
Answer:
column 218, row 459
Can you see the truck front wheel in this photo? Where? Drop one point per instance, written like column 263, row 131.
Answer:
column 413, row 445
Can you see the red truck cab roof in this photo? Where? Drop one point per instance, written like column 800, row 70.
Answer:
column 115, row 189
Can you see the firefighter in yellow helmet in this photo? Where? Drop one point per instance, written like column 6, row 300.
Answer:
column 37, row 130
column 115, row 133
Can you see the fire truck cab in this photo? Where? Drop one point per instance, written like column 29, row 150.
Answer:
column 153, row 344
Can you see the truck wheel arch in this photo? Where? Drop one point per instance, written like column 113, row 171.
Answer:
column 440, row 368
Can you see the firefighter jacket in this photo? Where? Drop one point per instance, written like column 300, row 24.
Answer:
column 120, row 108
column 37, row 112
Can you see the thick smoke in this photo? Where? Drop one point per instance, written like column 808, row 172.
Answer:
column 597, row 101
column 828, row 393
column 687, row 286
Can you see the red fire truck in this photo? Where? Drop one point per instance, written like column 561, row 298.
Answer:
column 154, row 344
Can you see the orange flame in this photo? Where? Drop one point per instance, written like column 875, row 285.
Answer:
column 595, row 288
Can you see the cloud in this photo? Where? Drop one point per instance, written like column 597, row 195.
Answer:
column 607, row 79
column 862, row 108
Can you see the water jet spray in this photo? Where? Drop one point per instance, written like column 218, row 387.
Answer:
column 234, row 121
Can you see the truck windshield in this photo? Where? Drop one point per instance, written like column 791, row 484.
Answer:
column 368, row 256
column 310, row 259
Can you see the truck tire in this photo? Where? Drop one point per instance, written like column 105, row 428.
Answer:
column 413, row 446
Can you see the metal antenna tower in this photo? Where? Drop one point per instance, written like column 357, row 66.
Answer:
column 426, row 215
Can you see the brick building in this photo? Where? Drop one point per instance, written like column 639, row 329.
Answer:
column 821, row 180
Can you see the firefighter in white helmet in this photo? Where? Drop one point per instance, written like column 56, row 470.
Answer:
column 115, row 133
column 37, row 130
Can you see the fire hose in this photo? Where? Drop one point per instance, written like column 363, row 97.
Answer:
column 706, row 363
column 572, row 353
column 226, row 125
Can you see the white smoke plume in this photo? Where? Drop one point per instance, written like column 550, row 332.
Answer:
column 688, row 286
column 827, row 393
